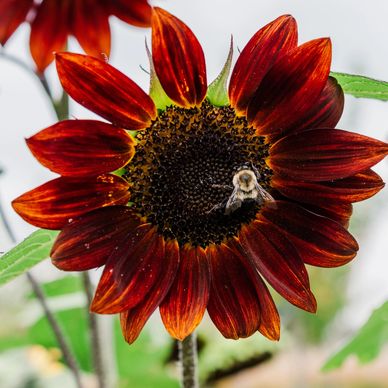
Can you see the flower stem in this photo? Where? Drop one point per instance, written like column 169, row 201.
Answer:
column 188, row 356
column 94, row 334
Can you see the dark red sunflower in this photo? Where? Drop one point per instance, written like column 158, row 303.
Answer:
column 151, row 209
column 52, row 21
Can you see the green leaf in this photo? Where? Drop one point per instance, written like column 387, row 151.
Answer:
column 367, row 343
column 217, row 92
column 27, row 254
column 360, row 86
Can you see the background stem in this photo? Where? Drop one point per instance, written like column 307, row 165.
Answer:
column 65, row 348
column 94, row 334
column 41, row 77
column 188, row 356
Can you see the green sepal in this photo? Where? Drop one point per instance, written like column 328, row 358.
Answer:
column 217, row 92
column 363, row 87
column 34, row 249
column 156, row 92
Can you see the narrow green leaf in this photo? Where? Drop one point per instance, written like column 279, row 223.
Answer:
column 217, row 92
column 27, row 254
column 367, row 343
column 360, row 86
column 157, row 92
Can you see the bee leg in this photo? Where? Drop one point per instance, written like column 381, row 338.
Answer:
column 216, row 207
column 256, row 171
column 215, row 186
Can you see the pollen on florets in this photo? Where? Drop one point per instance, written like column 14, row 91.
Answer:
column 184, row 166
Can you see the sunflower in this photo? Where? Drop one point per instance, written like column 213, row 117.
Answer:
column 154, row 209
column 52, row 21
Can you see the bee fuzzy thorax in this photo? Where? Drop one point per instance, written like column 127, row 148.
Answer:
column 245, row 179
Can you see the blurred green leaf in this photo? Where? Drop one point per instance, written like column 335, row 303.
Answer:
column 142, row 364
column 68, row 284
column 360, row 86
column 367, row 343
column 328, row 289
column 27, row 254
column 74, row 323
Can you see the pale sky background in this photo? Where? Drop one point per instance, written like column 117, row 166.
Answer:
column 359, row 32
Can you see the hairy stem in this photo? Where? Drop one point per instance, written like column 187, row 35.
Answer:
column 188, row 356
column 94, row 334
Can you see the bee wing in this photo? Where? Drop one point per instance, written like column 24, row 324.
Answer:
column 268, row 199
column 233, row 202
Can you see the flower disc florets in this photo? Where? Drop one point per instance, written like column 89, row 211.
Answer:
column 183, row 168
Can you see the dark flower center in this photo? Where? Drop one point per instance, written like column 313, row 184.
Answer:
column 181, row 175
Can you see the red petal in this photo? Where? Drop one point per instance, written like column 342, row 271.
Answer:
column 327, row 111
column 12, row 14
column 104, row 90
column 132, row 321
column 352, row 189
column 291, row 88
column 91, row 27
column 49, row 31
column 270, row 320
column 325, row 154
column 319, row 240
column 135, row 12
column 184, row 306
column 178, row 58
column 265, row 47
column 269, row 316
column 53, row 204
column 131, row 271
column 278, row 261
column 88, row 241
column 337, row 211
column 233, row 303
column 82, row 147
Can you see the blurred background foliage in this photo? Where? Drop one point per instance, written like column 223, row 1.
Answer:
column 151, row 360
